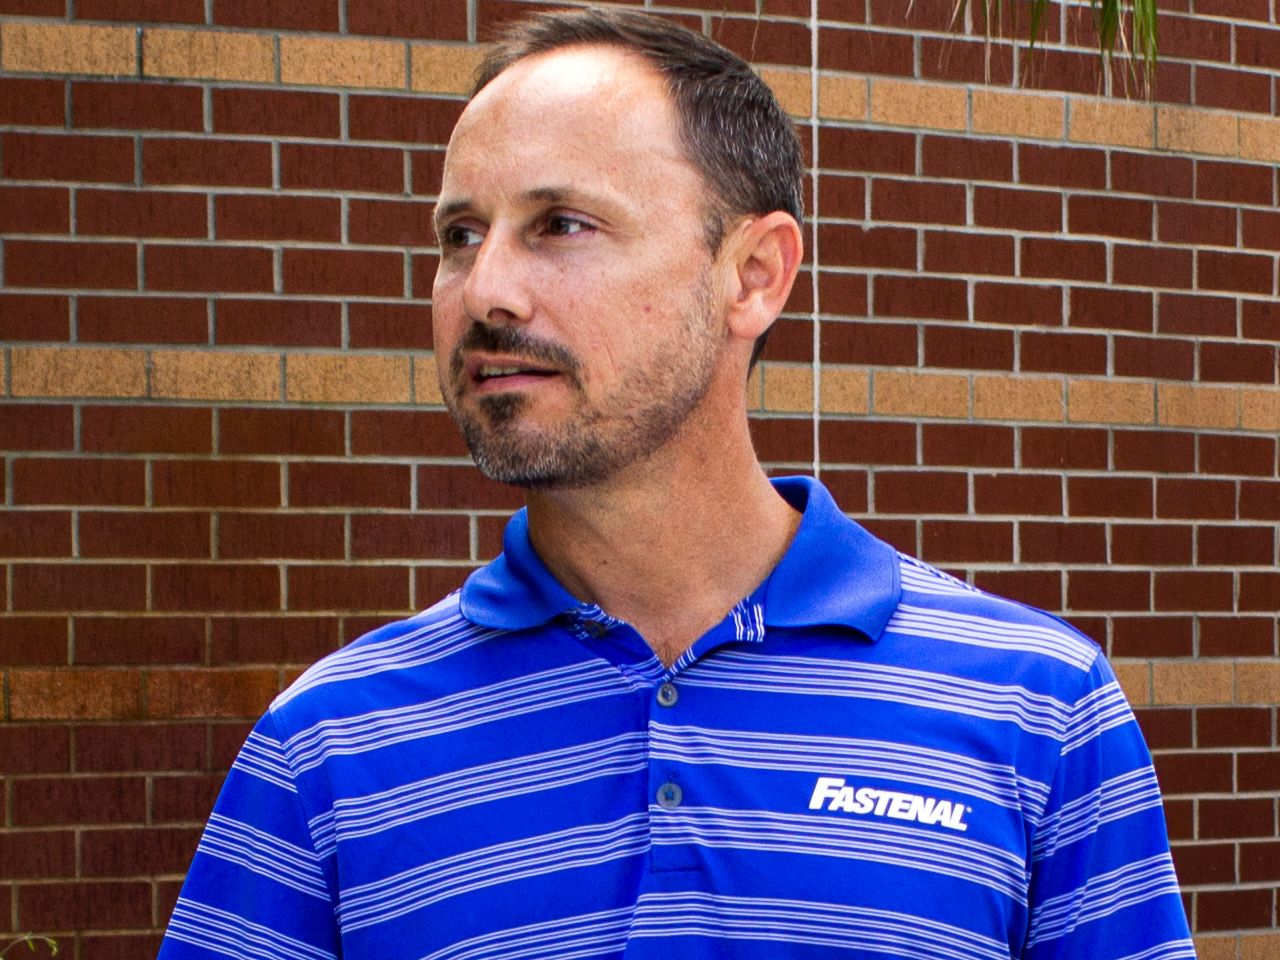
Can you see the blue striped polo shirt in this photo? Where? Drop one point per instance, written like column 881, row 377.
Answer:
column 866, row 759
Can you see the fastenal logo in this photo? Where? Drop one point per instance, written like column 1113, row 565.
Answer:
column 832, row 794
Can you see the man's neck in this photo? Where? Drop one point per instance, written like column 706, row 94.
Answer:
column 671, row 545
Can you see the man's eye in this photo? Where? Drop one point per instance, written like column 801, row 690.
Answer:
column 456, row 236
column 558, row 226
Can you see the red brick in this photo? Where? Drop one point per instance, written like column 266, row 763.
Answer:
column 1063, row 259
column 843, row 197
column 869, row 151
column 1152, row 175
column 1257, row 46
column 1235, row 183
column 142, row 319
column 914, row 492
column 851, row 245
column 35, row 533
column 333, row 167
column 1110, row 216
column 162, row 11
column 872, row 50
column 868, row 442
column 1259, row 500
column 441, row 20
column 432, row 583
column 848, row 488
column 206, row 162
column 1062, row 352
column 402, row 119
column 273, row 639
column 137, row 429
column 30, row 102
column 34, row 748
column 1162, row 636
column 144, row 535
column 968, row 348
column 1017, row 209
column 348, row 485
column 1152, row 266
column 205, row 483
column 199, row 587
column 79, row 481
column 390, row 222
column 1237, row 636
column 1062, row 166
column 1020, row 303
column 1109, row 496
column 948, row 251
column 1071, row 71
column 35, row 210
column 1062, row 543
column 70, row 157
column 1233, row 727
column 920, row 296
column 397, row 326
column 256, row 217
column 1186, row 37
column 1017, row 493
column 124, row 905
column 1108, row 590
column 1193, row 591
column 1232, row 89
column 79, row 586
column 1197, row 315
column 257, row 430
column 917, row 201
column 358, row 272
column 422, row 270
column 1040, row 588
column 1142, row 544
column 137, row 106
column 392, row 535
column 35, row 263
column 1259, row 229
column 1258, row 771
column 381, row 587
column 1184, row 498
column 463, row 488
column 782, row 440
column 36, row 426
column 283, row 323
column 1235, row 546
column 1260, row 592
column 899, row 13
column 53, row 802
column 427, row 170
column 209, row 268
column 281, row 113
column 967, row 445
column 1200, row 863
column 1191, row 772
column 277, row 14
column 28, row 316
column 127, row 748
column 33, row 641
column 960, row 61
column 140, row 213
column 1166, row 728
column 839, row 293
column 129, row 640
column 890, row 344
column 45, row 855
column 185, row 799
column 967, row 541
column 244, row 536
column 1240, row 272
column 1197, row 223
column 1236, row 818
column 1238, row 455
column 1259, row 862
column 1160, row 358
column 120, row 946
column 757, row 40
column 398, row 433
column 792, row 339
column 114, row 853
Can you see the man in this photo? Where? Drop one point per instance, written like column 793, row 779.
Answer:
column 687, row 713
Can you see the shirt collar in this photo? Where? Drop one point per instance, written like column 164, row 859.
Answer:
column 834, row 573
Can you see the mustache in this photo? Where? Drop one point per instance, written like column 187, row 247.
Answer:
column 517, row 343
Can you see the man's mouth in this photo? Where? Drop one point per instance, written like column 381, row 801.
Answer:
column 501, row 375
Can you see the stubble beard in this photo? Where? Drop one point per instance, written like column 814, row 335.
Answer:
column 591, row 444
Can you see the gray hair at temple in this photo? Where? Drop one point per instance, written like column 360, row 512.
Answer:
column 732, row 128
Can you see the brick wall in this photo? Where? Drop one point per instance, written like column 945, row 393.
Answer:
column 1047, row 359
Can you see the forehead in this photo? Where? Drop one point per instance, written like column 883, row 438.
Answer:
column 589, row 115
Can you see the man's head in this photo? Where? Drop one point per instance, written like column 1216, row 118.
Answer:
column 594, row 282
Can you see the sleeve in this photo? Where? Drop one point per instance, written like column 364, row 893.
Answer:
column 1102, row 880
column 257, row 888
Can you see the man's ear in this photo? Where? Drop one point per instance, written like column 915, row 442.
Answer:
column 763, row 255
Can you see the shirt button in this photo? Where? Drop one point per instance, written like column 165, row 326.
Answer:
column 669, row 796
column 668, row 695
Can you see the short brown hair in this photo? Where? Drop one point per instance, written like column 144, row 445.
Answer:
column 731, row 126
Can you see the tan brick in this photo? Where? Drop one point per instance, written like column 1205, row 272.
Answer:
column 1112, row 122
column 791, row 87
column 1188, row 130
column 1183, row 405
column 1258, row 681
column 208, row 375
column 210, row 693
column 342, row 63
column 919, row 105
column 1017, row 398
column 67, row 48
column 1017, row 114
column 788, row 388
column 93, row 694
column 844, row 390
column 1134, row 677
column 921, row 394
column 1260, row 139
column 1110, row 401
column 444, row 68
column 1260, row 410
column 325, row 378
column 426, row 382
column 1216, row 948
column 78, row 372
column 1187, row 682
column 842, row 97
column 214, row 55
column 1258, row 946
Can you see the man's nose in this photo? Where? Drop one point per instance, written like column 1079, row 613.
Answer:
column 497, row 289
